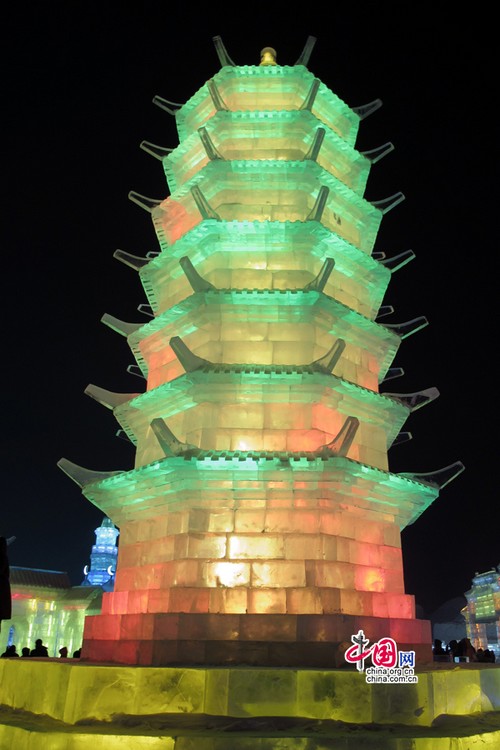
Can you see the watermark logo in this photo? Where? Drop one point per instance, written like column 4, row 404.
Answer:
column 389, row 664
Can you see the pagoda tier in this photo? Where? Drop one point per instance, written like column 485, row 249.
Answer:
column 261, row 523
column 267, row 89
column 249, row 479
column 285, row 328
column 271, row 409
column 281, row 135
column 287, row 191
column 213, row 538
column 265, row 255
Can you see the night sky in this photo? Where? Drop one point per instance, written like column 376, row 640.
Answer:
column 78, row 84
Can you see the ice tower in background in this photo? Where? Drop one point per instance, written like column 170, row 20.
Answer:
column 103, row 557
column 261, row 523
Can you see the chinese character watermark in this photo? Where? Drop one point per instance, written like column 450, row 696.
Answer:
column 389, row 664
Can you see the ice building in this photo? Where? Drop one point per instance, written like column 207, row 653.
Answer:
column 103, row 557
column 261, row 523
column 45, row 605
column 482, row 613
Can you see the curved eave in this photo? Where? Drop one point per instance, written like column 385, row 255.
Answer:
column 269, row 243
column 226, row 128
column 267, row 306
column 227, row 186
column 291, row 83
column 176, row 481
column 211, row 385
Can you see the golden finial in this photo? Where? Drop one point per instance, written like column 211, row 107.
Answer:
column 268, row 56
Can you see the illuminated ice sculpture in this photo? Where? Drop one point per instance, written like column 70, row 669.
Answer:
column 261, row 523
column 103, row 557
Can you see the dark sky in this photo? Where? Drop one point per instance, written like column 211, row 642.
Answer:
column 78, row 84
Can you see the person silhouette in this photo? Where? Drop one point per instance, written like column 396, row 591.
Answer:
column 40, row 649
column 25, row 651
column 465, row 650
column 63, row 652
column 452, row 648
column 9, row 652
column 438, row 647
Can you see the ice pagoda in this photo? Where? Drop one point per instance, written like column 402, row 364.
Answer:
column 261, row 524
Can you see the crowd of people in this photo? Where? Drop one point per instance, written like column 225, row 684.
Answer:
column 39, row 650
column 463, row 650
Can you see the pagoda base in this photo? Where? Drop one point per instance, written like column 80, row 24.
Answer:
column 224, row 653
column 69, row 705
column 278, row 640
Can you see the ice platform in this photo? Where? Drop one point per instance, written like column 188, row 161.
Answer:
column 67, row 705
